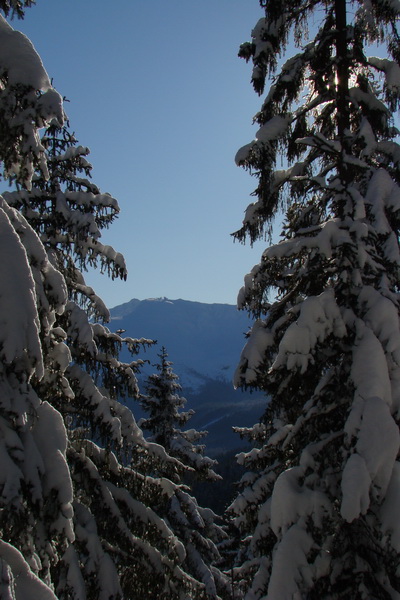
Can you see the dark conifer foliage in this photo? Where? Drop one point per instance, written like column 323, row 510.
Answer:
column 317, row 506
column 80, row 500
column 194, row 526
column 15, row 7
column 164, row 405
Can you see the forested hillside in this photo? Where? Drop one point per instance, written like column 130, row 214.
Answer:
column 316, row 505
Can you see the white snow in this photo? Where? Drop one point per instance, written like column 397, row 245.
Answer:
column 24, row 585
column 20, row 60
column 391, row 70
column 382, row 317
column 369, row 368
column 243, row 153
column 33, row 467
column 19, row 319
column 10, row 475
column 319, row 317
column 51, row 439
column 290, row 566
column 80, row 330
column 253, row 353
column 377, row 424
column 22, row 67
column 366, row 133
column 273, row 129
column 292, row 501
column 330, row 235
column 356, row 482
column 108, row 579
column 50, row 106
column 73, row 577
column 370, row 420
column 389, row 511
column 369, row 99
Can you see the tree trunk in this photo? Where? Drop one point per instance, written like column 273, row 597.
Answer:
column 342, row 85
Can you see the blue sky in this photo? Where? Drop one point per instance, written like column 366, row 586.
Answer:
column 158, row 94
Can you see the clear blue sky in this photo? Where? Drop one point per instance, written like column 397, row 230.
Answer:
column 158, row 94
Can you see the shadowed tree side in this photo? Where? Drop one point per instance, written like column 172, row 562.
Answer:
column 316, row 508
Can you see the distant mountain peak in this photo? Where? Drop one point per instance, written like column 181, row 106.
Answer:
column 204, row 342
column 128, row 307
column 199, row 337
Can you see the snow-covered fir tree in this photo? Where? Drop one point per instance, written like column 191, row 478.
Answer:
column 78, row 490
column 318, row 507
column 164, row 405
column 33, row 292
column 193, row 525
column 119, row 543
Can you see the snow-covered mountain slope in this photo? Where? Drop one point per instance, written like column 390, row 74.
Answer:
column 204, row 342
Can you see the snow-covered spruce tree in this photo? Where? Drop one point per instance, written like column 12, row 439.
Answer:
column 33, row 292
column 318, row 507
column 193, row 525
column 76, row 495
column 164, row 405
column 131, row 553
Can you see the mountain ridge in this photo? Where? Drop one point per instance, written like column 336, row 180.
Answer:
column 204, row 342
column 199, row 337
